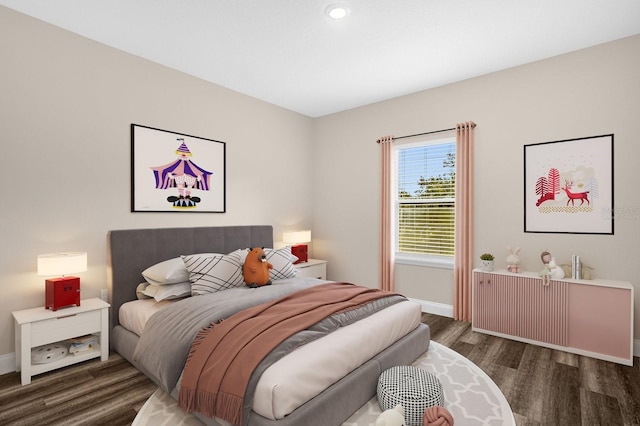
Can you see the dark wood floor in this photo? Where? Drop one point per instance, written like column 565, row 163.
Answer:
column 90, row 393
column 543, row 386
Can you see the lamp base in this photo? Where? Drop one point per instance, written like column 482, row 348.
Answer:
column 301, row 251
column 61, row 292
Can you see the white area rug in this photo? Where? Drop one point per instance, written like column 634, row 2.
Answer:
column 469, row 394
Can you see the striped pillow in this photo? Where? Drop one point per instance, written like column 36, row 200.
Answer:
column 281, row 261
column 212, row 272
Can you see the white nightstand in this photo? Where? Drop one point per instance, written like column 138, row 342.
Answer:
column 313, row 268
column 40, row 326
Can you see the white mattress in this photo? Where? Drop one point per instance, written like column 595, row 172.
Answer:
column 308, row 370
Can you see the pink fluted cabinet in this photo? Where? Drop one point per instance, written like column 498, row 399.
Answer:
column 586, row 317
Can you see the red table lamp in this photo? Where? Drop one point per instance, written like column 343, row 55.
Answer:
column 65, row 290
column 297, row 239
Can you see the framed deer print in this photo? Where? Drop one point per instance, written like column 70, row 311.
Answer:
column 568, row 186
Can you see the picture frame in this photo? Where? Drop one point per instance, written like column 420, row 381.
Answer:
column 176, row 172
column 568, row 186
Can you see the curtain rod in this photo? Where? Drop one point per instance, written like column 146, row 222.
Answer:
column 420, row 134
column 425, row 133
column 471, row 123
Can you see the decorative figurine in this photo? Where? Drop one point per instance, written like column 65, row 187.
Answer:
column 513, row 260
column 545, row 256
column 557, row 273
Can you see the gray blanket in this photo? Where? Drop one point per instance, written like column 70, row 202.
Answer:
column 164, row 345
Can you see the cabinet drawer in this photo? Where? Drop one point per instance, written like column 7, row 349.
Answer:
column 601, row 320
column 64, row 327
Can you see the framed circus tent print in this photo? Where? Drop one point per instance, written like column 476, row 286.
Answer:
column 175, row 172
column 568, row 186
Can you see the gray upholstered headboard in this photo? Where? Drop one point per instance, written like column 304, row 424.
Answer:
column 130, row 251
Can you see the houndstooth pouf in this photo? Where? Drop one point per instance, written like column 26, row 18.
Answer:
column 413, row 388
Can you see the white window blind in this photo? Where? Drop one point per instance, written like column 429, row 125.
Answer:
column 425, row 198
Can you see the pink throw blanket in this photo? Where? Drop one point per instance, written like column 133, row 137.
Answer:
column 223, row 356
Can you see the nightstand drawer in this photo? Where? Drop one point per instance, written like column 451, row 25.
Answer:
column 63, row 327
column 314, row 268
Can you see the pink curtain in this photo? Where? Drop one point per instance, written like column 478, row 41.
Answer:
column 463, row 259
column 387, row 250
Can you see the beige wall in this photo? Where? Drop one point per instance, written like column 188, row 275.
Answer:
column 66, row 105
column 590, row 92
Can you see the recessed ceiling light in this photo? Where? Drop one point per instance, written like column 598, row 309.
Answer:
column 337, row 11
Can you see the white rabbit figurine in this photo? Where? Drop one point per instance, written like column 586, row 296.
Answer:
column 557, row 273
column 513, row 261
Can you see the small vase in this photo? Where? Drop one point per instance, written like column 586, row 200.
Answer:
column 487, row 265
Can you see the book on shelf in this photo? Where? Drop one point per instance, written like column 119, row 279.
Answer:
column 87, row 338
column 81, row 349
column 82, row 340
column 83, row 343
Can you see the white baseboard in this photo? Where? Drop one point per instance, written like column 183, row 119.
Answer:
column 7, row 363
column 447, row 311
column 435, row 308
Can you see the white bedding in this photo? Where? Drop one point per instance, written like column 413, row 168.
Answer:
column 308, row 370
column 134, row 315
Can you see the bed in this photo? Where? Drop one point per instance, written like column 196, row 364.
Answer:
column 131, row 251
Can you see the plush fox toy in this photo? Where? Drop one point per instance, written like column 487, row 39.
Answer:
column 256, row 268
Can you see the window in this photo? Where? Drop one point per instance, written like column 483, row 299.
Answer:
column 425, row 202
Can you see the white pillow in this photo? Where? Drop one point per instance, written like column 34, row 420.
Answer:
column 168, row 291
column 170, row 271
column 140, row 291
column 211, row 272
column 281, row 260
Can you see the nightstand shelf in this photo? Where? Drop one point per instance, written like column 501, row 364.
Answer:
column 313, row 268
column 68, row 360
column 39, row 326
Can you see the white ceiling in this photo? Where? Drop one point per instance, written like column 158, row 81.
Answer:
column 289, row 53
